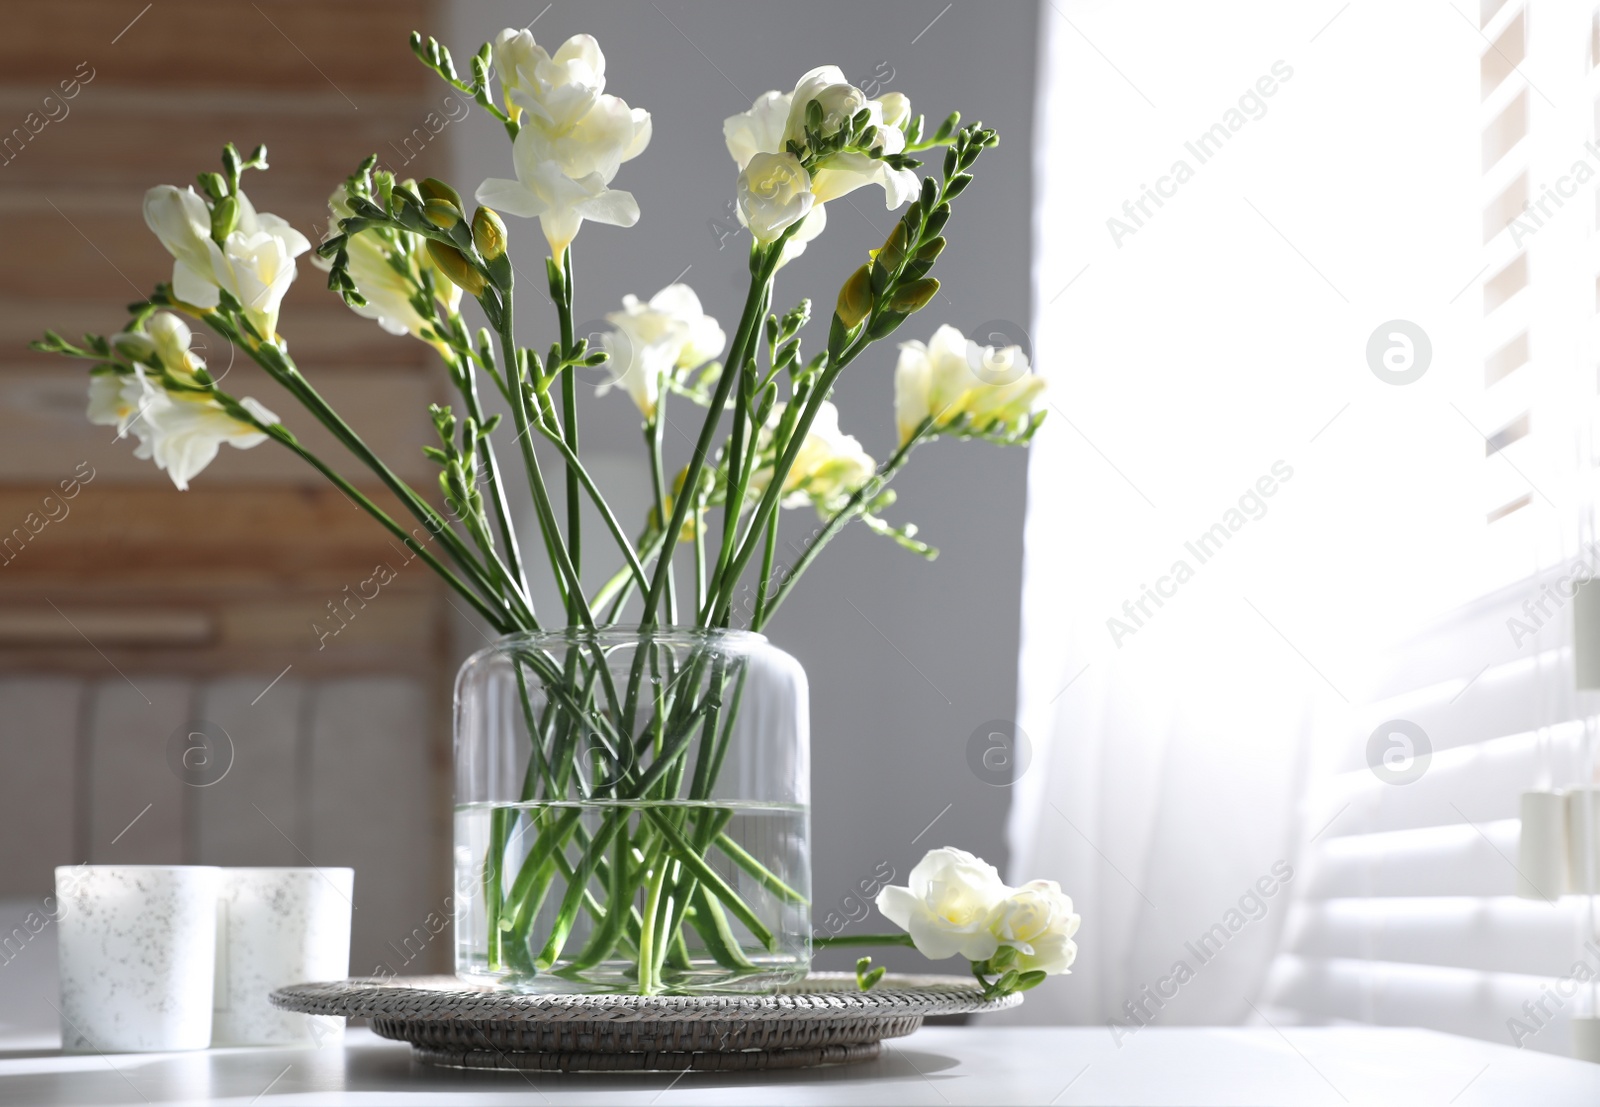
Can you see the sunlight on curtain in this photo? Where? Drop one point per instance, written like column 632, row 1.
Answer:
column 1230, row 513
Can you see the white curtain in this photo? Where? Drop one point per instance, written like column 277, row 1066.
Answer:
column 1208, row 369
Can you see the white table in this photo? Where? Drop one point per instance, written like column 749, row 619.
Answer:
column 937, row 1065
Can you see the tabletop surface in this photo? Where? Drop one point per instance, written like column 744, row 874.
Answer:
column 937, row 1065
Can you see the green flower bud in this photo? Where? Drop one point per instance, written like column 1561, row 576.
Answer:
column 456, row 267
column 893, row 254
column 488, row 234
column 441, row 213
column 224, row 218
column 432, row 188
column 855, row 298
column 914, row 295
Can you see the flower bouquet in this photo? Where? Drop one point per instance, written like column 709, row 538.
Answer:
column 632, row 799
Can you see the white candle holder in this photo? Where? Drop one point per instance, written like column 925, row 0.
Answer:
column 136, row 945
column 1542, row 851
column 277, row 927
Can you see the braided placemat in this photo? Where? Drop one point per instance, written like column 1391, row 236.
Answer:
column 824, row 1019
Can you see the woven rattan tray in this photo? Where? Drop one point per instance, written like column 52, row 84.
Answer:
column 823, row 1020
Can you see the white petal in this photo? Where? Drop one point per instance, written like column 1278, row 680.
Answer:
column 613, row 206
column 511, row 198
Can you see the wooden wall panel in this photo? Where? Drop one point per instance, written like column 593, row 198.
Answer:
column 195, row 603
column 273, row 45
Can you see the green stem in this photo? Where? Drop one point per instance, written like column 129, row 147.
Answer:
column 496, row 619
column 764, row 260
column 654, row 433
column 850, row 941
column 576, row 466
column 835, row 523
column 467, row 381
column 569, row 420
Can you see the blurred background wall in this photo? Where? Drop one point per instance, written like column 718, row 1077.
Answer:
column 134, row 617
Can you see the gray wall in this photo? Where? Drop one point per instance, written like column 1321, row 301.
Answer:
column 906, row 658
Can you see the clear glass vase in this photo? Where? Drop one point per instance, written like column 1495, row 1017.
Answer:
column 632, row 813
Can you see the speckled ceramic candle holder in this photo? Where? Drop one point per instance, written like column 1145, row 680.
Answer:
column 277, row 927
column 137, row 954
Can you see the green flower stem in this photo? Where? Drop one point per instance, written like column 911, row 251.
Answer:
column 577, row 885
column 711, row 924
column 468, row 385
column 764, row 876
column 852, row 507
column 739, row 465
column 541, row 497
column 709, row 879
column 492, row 897
column 852, row 941
column 282, row 369
column 656, row 874
column 569, row 419
column 280, row 433
column 763, row 263
column 654, row 432
column 758, row 618
column 723, row 584
column 619, row 896
column 575, row 467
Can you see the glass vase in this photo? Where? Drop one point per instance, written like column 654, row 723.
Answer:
column 632, row 813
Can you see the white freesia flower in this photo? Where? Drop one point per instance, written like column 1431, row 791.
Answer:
column 557, row 90
column 255, row 263
column 829, row 466
column 1038, row 920
column 947, row 906
column 774, row 194
column 179, row 429
column 670, row 334
column 779, row 117
column 388, row 276
column 573, row 138
column 951, row 376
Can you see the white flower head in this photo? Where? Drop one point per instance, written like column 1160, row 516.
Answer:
column 181, row 429
column 951, row 376
column 655, row 340
column 947, row 905
column 255, row 262
column 387, row 272
column 1038, row 920
column 774, row 194
column 573, row 138
column 777, row 118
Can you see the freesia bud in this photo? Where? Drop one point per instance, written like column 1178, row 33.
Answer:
column 432, row 188
column 893, row 254
column 855, row 298
column 914, row 295
column 456, row 267
column 441, row 213
column 224, row 218
column 488, row 234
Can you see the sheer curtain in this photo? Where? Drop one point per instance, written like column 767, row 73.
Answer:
column 1229, row 512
